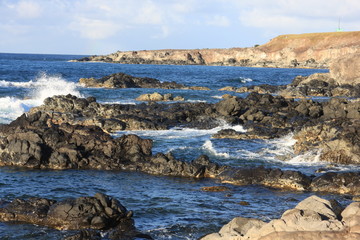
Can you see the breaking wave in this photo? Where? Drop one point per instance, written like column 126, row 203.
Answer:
column 41, row 88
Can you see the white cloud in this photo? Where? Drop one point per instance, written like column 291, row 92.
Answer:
column 27, row 9
column 299, row 16
column 95, row 28
column 219, row 21
column 149, row 13
column 164, row 33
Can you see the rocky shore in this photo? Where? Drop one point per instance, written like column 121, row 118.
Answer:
column 312, row 219
column 68, row 132
column 312, row 50
column 61, row 135
column 94, row 217
column 102, row 217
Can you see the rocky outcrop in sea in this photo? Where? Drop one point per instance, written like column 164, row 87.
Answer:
column 94, row 217
column 61, row 135
column 122, row 80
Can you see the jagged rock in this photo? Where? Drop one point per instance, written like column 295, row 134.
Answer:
column 69, row 214
column 338, row 140
column 115, row 117
column 87, row 214
column 343, row 183
column 122, row 80
column 320, row 85
column 313, row 218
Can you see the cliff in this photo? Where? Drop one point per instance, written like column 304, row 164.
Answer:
column 311, row 50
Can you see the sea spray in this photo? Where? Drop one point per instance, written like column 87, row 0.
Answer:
column 41, row 88
column 51, row 85
column 210, row 149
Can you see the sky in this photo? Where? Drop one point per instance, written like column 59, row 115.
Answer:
column 104, row 26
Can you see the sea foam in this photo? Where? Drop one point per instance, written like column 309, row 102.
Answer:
column 42, row 87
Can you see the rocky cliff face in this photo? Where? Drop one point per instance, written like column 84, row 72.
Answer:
column 314, row 50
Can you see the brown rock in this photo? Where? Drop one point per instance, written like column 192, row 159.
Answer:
column 312, row 219
column 345, row 69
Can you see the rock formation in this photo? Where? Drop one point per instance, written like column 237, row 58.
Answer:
column 263, row 116
column 312, row 219
column 100, row 212
column 122, row 80
column 312, row 50
column 157, row 97
column 51, row 137
column 346, row 69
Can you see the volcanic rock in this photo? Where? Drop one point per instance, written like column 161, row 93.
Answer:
column 100, row 212
column 122, row 80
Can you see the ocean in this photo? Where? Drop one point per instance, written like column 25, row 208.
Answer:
column 164, row 207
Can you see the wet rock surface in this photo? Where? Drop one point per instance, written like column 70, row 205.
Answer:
column 116, row 117
column 88, row 214
column 313, row 218
column 315, row 85
column 61, row 135
column 122, row 80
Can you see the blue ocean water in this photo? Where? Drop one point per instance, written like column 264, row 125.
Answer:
column 165, row 207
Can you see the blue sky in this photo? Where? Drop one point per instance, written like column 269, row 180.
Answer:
column 106, row 26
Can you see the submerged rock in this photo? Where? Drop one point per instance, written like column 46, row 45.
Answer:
column 100, row 212
column 313, row 218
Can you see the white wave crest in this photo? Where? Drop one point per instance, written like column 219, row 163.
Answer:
column 11, row 108
column 29, row 84
column 208, row 147
column 245, row 80
column 48, row 86
column 176, row 133
column 44, row 86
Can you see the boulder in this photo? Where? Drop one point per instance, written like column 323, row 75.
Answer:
column 92, row 215
column 69, row 214
column 345, row 69
column 154, row 97
column 313, row 218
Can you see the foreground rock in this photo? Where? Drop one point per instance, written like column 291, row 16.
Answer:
column 312, row 219
column 122, row 80
column 98, row 213
column 345, row 70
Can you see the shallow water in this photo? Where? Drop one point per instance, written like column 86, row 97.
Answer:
column 164, row 207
